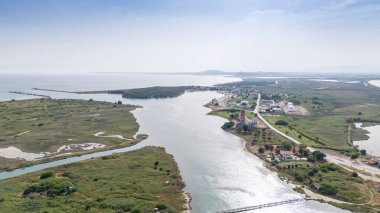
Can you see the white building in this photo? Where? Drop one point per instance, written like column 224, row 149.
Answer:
column 286, row 155
column 291, row 107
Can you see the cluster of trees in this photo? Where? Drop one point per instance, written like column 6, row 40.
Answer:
column 228, row 125
column 316, row 156
column 155, row 92
column 51, row 187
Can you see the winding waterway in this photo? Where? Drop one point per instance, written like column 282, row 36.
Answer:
column 217, row 170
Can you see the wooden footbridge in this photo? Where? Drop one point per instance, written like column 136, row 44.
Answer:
column 250, row 208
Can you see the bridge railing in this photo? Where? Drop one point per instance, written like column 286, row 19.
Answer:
column 266, row 205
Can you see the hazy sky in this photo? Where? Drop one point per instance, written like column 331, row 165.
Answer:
column 189, row 35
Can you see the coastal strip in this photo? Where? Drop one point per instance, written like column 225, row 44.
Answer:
column 305, row 168
column 28, row 93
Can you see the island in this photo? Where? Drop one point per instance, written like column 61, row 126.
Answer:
column 144, row 180
column 143, row 93
column 40, row 129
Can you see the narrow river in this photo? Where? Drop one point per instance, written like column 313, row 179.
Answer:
column 218, row 172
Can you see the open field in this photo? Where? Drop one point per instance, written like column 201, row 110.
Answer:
column 227, row 113
column 44, row 125
column 260, row 137
column 136, row 181
column 328, row 132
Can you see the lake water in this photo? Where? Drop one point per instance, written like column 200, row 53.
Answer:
column 372, row 145
column 218, row 173
column 96, row 81
column 375, row 83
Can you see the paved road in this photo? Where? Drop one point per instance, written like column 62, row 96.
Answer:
column 257, row 111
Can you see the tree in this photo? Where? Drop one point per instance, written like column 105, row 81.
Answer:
column 245, row 127
column 363, row 152
column 228, row 125
column 311, row 158
column 360, row 113
column 354, row 174
column 281, row 123
column 261, row 150
column 319, row 156
column 287, row 146
column 299, row 136
column 354, row 156
column 46, row 175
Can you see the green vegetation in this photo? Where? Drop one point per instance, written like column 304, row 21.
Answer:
column 264, row 137
column 46, row 175
column 325, row 132
column 281, row 123
column 51, row 187
column 330, row 180
column 333, row 107
column 227, row 113
column 228, row 125
column 137, row 181
column 251, row 101
column 251, row 83
column 155, row 92
column 43, row 125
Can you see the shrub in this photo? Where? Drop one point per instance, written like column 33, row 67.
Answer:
column 354, row 174
column 261, row 150
column 319, row 156
column 363, row 152
column 228, row 125
column 161, row 206
column 354, row 156
column 126, row 207
column 310, row 173
column 281, row 123
column 66, row 174
column 298, row 177
column 328, row 190
column 46, row 175
column 287, row 146
column 51, row 187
